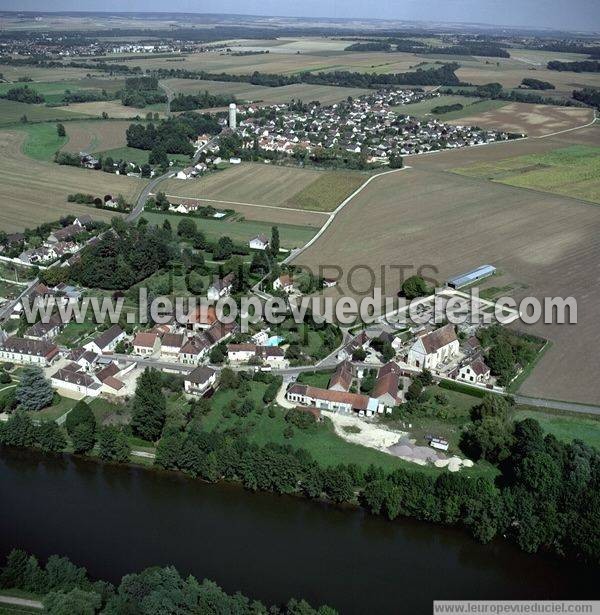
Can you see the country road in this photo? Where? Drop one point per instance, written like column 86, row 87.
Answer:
column 21, row 602
column 151, row 186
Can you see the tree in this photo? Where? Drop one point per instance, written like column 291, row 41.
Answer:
column 396, row 161
column 79, row 415
column 83, row 438
column 60, row 130
column 274, row 240
column 223, row 249
column 216, row 355
column 77, row 601
column 50, row 438
column 186, row 228
column 149, row 406
column 34, row 392
column 113, row 445
column 415, row 286
column 414, row 391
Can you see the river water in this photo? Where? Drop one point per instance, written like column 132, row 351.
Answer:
column 118, row 519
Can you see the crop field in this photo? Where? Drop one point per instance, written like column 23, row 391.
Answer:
column 573, row 171
column 240, row 230
column 544, row 245
column 35, row 73
column 34, row 191
column 275, row 186
column 53, row 91
column 113, row 108
column 95, row 136
column 327, row 191
column 252, row 183
column 326, row 94
column 534, row 120
column 11, row 113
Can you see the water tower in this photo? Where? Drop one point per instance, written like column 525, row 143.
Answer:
column 232, row 116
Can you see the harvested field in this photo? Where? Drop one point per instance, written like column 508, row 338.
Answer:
column 573, row 171
column 245, row 183
column 267, row 213
column 256, row 93
column 261, row 184
column 534, row 120
column 546, row 244
column 424, row 107
column 114, row 108
column 35, row 191
column 13, row 73
column 95, row 136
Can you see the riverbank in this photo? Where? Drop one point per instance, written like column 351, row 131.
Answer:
column 117, row 519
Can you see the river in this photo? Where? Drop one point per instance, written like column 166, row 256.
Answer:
column 118, row 519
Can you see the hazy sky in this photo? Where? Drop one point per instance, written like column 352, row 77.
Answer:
column 563, row 14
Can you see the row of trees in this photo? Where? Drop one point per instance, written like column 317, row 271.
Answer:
column 581, row 66
column 201, row 100
column 67, row 589
column 24, row 94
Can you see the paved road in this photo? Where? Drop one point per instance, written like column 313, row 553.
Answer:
column 32, row 604
column 153, row 184
column 552, row 404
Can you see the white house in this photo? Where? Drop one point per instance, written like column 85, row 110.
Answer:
column 334, row 401
column 433, row 348
column 171, row 344
column 260, row 338
column 74, row 379
column 20, row 350
column 200, row 380
column 235, row 160
column 476, row 371
column 107, row 340
column 284, row 282
column 146, row 343
column 220, row 287
column 241, row 353
column 260, row 242
column 187, row 173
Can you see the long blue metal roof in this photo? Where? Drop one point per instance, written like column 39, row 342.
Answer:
column 472, row 276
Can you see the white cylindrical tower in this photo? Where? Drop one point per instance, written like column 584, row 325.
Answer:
column 232, row 116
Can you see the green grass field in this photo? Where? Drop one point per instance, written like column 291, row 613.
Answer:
column 42, row 141
column 11, row 113
column 239, row 230
column 572, row 171
column 565, row 426
column 327, row 191
column 54, row 91
column 471, row 106
column 139, row 156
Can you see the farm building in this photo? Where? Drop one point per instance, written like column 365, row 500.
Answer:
column 485, row 271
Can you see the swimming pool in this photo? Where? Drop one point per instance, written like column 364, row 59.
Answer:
column 274, row 340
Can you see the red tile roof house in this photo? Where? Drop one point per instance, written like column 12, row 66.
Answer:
column 475, row 371
column 21, row 350
column 202, row 317
column 334, row 401
column 385, row 390
column 199, row 380
column 171, row 344
column 193, row 350
column 285, row 283
column 341, row 380
column 146, row 343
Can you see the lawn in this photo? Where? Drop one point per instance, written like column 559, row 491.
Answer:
column 327, row 191
column 240, row 231
column 315, row 379
column 56, row 410
column 571, row 171
column 76, row 333
column 565, row 426
column 321, row 441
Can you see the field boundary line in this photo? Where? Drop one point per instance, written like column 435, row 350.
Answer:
column 560, row 132
column 339, row 208
column 193, row 198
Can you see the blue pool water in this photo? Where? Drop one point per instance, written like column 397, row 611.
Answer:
column 274, row 340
